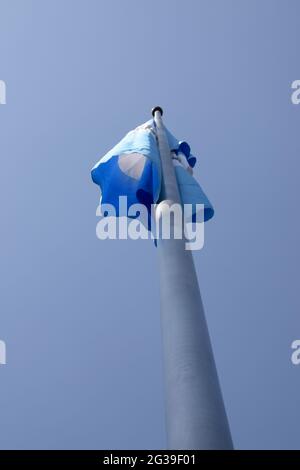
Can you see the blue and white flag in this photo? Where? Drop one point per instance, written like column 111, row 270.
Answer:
column 133, row 169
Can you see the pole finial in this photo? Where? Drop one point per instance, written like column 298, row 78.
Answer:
column 157, row 108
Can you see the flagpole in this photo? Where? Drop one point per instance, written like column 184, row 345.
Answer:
column 195, row 413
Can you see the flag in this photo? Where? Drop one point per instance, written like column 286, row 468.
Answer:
column 133, row 169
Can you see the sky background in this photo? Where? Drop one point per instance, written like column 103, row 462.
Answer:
column 80, row 316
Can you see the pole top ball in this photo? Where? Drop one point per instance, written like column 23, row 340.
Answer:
column 157, row 108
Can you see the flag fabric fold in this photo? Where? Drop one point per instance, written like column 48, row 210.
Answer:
column 132, row 168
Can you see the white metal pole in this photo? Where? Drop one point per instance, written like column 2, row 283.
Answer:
column 195, row 413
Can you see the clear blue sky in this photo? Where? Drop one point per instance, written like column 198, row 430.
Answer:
column 80, row 317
